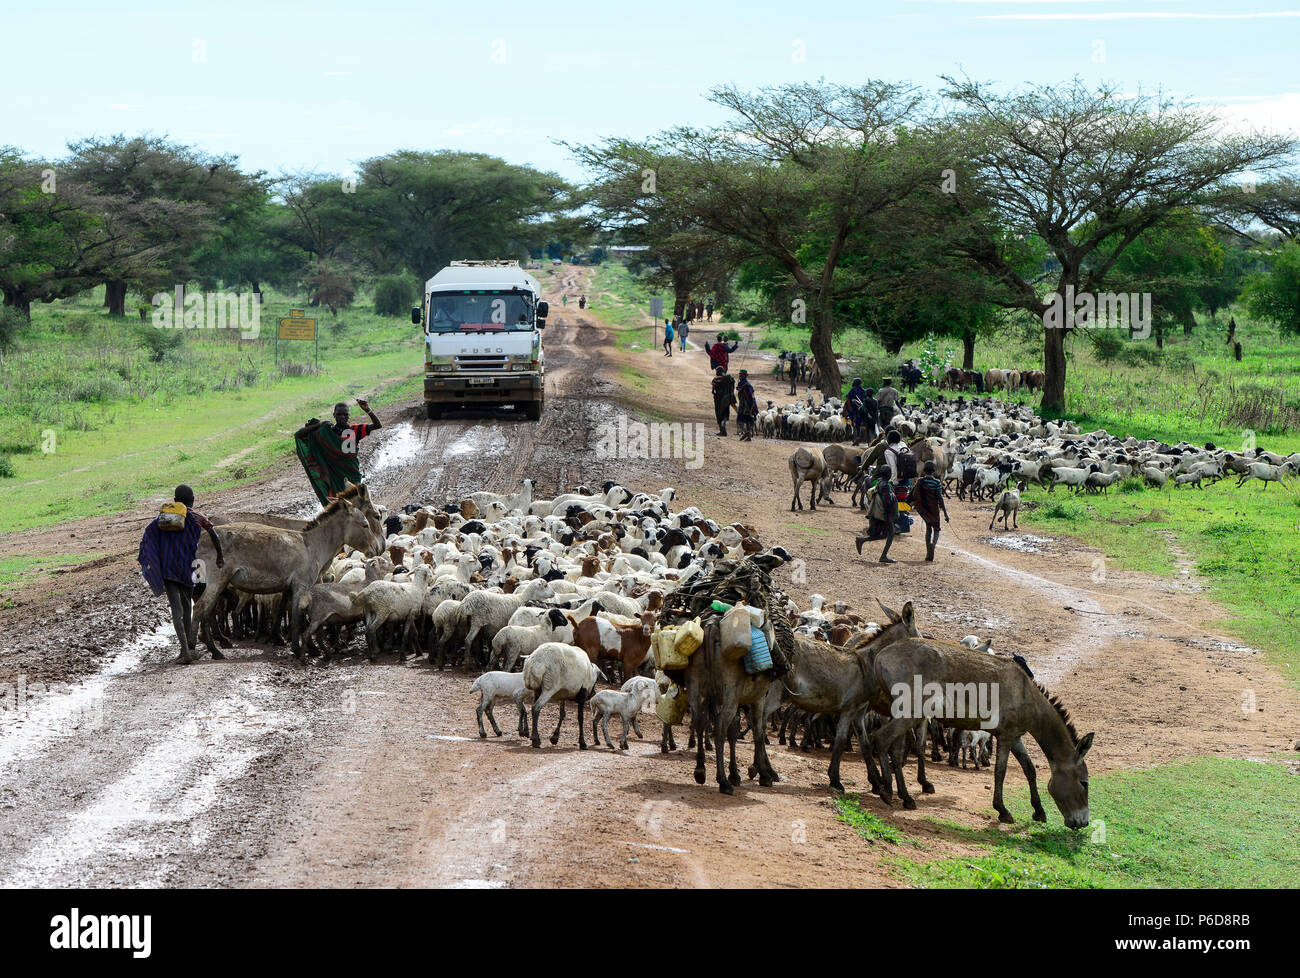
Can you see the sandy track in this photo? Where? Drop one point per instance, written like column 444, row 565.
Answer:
column 255, row 772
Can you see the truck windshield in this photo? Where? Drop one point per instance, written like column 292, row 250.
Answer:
column 451, row 312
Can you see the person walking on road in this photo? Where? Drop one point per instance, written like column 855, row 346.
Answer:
column 167, row 560
column 724, row 396
column 881, row 513
column 720, row 353
column 668, row 338
column 927, row 500
column 747, row 407
column 682, row 332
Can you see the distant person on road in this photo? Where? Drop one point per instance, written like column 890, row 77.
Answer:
column 683, row 331
column 927, row 500
column 747, row 409
column 724, row 396
column 329, row 452
column 720, row 353
column 887, row 397
column 708, row 310
column 582, row 302
column 870, row 415
column 853, row 402
column 167, row 553
column 668, row 338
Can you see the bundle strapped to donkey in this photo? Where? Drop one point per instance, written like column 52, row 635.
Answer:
column 734, row 582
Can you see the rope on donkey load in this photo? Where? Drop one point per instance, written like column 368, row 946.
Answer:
column 735, row 582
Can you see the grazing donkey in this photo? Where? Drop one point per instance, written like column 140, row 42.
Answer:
column 914, row 668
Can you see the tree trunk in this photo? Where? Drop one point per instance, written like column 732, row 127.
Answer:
column 820, row 342
column 257, row 291
column 1188, row 323
column 1054, row 370
column 115, row 297
column 20, row 301
column 968, row 351
column 681, row 292
column 1160, row 335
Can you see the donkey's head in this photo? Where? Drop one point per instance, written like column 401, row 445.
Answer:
column 899, row 625
column 358, row 532
column 1068, row 785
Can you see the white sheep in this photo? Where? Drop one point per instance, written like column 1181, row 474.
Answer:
column 493, row 686
column 514, row 642
column 1266, row 473
column 385, row 601
column 484, row 613
column 556, row 671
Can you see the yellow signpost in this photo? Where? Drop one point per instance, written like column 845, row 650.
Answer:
column 296, row 327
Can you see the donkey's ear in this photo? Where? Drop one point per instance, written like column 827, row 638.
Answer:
column 890, row 613
column 1084, row 744
column 909, row 613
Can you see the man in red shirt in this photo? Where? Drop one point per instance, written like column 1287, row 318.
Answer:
column 329, row 452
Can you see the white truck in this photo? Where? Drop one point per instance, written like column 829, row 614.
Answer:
column 482, row 337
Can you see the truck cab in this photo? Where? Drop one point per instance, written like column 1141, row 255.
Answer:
column 483, row 323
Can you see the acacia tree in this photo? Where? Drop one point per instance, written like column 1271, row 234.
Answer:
column 421, row 210
column 172, row 199
column 794, row 174
column 1082, row 169
column 682, row 256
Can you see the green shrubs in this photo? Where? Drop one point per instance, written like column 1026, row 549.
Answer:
column 395, row 295
column 6, row 468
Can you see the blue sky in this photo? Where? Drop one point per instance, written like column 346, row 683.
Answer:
column 323, row 85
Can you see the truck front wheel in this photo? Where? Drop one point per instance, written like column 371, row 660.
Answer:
column 432, row 411
column 533, row 410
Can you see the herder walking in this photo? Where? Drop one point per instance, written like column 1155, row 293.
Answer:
column 927, row 500
column 167, row 552
column 724, row 397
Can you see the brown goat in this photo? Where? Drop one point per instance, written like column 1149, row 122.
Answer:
column 603, row 639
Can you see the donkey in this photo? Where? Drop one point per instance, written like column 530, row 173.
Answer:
column 716, row 689
column 937, row 673
column 265, row 560
column 826, row 679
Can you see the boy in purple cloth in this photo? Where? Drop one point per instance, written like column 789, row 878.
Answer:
column 167, row 562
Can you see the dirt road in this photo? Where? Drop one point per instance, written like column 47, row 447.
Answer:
column 130, row 771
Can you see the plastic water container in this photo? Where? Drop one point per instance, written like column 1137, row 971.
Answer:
column 759, row 656
column 735, row 633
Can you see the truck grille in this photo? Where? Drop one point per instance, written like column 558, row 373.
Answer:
column 478, row 361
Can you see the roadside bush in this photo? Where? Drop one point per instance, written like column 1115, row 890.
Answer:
column 394, row 295
column 6, row 468
column 11, row 321
column 103, row 387
column 1132, row 484
column 159, row 343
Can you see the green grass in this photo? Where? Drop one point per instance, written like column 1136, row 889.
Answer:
column 15, row 570
column 1245, row 544
column 629, row 307
column 91, row 424
column 1207, row 822
column 850, row 811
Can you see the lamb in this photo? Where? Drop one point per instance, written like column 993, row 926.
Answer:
column 626, row 703
column 517, row 641
column 556, row 671
column 1190, row 479
column 1100, row 481
column 493, row 686
column 384, row 601
column 644, row 683
column 1008, row 505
